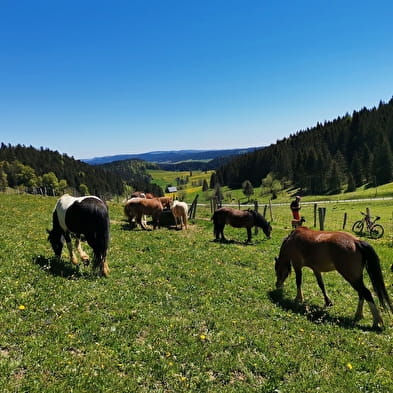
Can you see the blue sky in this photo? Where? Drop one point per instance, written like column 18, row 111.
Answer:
column 95, row 78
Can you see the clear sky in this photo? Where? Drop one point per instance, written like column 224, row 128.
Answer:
column 95, row 78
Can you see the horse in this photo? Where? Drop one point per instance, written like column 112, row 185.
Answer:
column 324, row 251
column 87, row 216
column 239, row 219
column 137, row 207
column 180, row 213
column 166, row 202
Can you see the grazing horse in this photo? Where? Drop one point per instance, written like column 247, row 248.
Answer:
column 87, row 216
column 180, row 213
column 137, row 207
column 324, row 251
column 166, row 202
column 239, row 219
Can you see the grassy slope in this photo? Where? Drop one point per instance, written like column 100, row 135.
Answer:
column 180, row 313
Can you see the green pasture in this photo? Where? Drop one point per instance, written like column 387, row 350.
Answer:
column 182, row 313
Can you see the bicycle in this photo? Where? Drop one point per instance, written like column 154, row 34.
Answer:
column 376, row 231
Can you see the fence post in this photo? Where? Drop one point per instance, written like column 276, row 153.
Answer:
column 271, row 210
column 345, row 220
column 322, row 213
column 315, row 214
column 256, row 209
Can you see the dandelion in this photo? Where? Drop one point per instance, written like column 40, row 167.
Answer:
column 22, row 307
column 349, row 366
column 202, row 337
column 301, row 330
column 183, row 379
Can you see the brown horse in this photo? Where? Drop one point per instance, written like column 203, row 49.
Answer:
column 239, row 219
column 137, row 207
column 324, row 251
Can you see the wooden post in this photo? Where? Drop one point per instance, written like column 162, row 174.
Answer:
column 322, row 213
column 315, row 214
column 256, row 209
column 345, row 220
column 192, row 210
column 271, row 210
column 264, row 210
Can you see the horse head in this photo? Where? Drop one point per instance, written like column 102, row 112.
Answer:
column 261, row 222
column 56, row 241
column 283, row 268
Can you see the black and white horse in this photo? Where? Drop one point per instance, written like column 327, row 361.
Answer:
column 87, row 216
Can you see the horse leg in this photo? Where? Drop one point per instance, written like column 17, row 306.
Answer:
column 104, row 268
column 299, row 294
column 221, row 231
column 73, row 258
column 318, row 275
column 248, row 235
column 365, row 294
column 83, row 255
column 140, row 222
column 359, row 310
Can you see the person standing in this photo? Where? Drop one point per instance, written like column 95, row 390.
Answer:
column 295, row 208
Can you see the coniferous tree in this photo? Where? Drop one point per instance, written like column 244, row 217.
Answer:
column 248, row 189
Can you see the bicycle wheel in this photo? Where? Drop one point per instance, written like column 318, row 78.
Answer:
column 357, row 227
column 377, row 231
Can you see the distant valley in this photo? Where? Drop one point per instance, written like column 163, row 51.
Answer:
column 171, row 157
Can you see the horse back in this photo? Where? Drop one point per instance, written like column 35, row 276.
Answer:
column 234, row 217
column 324, row 250
column 143, row 206
column 87, row 215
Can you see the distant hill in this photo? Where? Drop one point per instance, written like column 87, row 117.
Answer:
column 172, row 156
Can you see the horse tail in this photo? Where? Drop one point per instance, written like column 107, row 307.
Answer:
column 215, row 222
column 374, row 270
column 101, row 240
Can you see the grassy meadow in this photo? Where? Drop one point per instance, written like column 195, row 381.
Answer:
column 182, row 313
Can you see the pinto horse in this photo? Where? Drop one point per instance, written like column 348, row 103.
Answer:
column 239, row 219
column 324, row 251
column 136, row 208
column 87, row 216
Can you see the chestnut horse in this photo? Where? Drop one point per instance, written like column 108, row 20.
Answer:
column 87, row 216
column 138, row 207
column 324, row 251
column 239, row 219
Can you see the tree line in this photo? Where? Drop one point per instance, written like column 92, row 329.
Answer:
column 336, row 156
column 49, row 171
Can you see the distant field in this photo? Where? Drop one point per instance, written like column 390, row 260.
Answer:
column 181, row 313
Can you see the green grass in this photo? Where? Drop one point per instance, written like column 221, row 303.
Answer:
column 181, row 313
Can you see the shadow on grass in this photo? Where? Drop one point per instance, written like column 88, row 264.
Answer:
column 242, row 243
column 315, row 314
column 127, row 226
column 58, row 267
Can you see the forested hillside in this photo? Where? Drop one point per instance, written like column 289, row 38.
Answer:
column 22, row 166
column 338, row 155
column 134, row 172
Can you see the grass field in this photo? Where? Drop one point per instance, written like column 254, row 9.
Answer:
column 181, row 313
